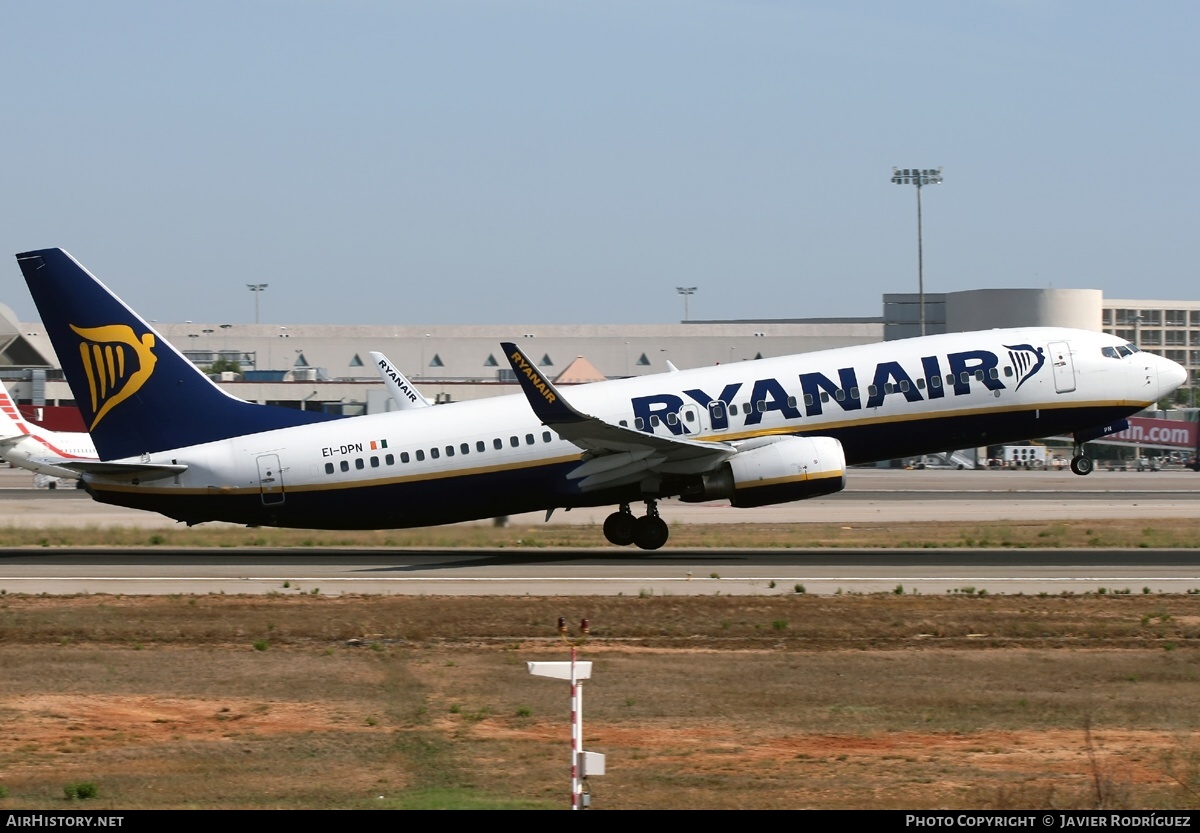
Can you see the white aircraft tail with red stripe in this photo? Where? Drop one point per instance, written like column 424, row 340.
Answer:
column 30, row 447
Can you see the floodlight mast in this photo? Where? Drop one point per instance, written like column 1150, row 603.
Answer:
column 687, row 292
column 919, row 177
column 257, row 289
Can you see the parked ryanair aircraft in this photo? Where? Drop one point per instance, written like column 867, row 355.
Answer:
column 28, row 446
column 752, row 433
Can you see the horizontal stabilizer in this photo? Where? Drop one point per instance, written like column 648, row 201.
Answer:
column 121, row 471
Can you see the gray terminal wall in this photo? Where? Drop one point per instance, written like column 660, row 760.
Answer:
column 985, row 309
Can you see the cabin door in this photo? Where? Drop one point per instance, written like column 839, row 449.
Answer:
column 1064, row 367
column 270, row 479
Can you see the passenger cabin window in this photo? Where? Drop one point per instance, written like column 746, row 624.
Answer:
column 514, row 442
column 639, row 423
column 546, row 437
column 390, row 460
column 329, row 468
column 480, row 447
column 716, row 410
column 345, row 466
column 654, row 422
column 434, row 454
column 449, row 451
column 420, row 455
column 374, row 462
column 497, row 444
column 529, row 439
column 465, row 448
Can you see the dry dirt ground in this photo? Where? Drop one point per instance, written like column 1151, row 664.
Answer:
column 781, row 702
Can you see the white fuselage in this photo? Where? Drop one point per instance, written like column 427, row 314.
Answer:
column 489, row 457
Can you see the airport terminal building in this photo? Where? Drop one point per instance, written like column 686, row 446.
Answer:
column 329, row 368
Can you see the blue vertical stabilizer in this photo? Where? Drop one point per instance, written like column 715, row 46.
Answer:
column 137, row 393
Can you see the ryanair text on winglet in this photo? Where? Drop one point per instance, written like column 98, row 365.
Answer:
column 532, row 375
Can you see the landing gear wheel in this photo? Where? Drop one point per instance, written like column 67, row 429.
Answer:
column 1082, row 465
column 619, row 528
column 650, row 532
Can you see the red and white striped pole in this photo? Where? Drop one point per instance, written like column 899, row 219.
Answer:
column 583, row 763
column 576, row 731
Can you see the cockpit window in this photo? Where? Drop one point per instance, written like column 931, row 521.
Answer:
column 1120, row 351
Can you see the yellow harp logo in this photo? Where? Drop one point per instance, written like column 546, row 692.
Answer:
column 117, row 363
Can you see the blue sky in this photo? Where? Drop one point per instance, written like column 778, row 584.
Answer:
column 382, row 161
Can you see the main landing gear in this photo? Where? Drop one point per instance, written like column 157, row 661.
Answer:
column 1081, row 463
column 648, row 532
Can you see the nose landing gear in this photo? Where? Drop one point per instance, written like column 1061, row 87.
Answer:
column 648, row 532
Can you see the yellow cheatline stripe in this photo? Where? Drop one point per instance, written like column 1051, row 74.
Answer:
column 811, row 429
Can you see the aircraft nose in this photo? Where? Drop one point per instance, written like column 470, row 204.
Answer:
column 1171, row 375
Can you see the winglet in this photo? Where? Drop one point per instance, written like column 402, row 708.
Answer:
column 404, row 394
column 547, row 403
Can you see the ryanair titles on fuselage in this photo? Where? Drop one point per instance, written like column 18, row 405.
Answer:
column 817, row 390
column 533, row 377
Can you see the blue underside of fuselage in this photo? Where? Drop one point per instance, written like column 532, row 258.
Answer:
column 443, row 500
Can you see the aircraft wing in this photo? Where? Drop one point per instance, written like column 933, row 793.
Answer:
column 614, row 454
column 118, row 470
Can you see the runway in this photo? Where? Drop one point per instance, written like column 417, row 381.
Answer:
column 599, row 572
column 873, row 495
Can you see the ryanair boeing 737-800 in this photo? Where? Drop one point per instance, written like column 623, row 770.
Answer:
column 753, row 433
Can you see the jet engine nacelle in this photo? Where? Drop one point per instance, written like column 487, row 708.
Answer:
column 775, row 470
